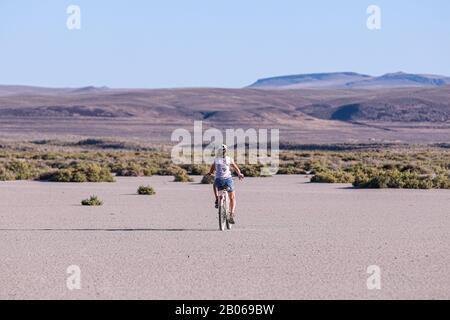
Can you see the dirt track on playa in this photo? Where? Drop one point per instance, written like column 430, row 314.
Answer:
column 294, row 240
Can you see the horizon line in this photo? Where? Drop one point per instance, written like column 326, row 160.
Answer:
column 106, row 87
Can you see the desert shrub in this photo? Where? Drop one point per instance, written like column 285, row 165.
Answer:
column 441, row 182
column 394, row 179
column 324, row 177
column 349, row 158
column 377, row 178
column 389, row 166
column 207, row 179
column 146, row 190
column 332, row 177
column 131, row 170
column 378, row 182
column 251, row 170
column 196, row 169
column 20, row 169
column 5, row 174
column 319, row 164
column 182, row 176
column 80, row 172
column 49, row 156
column 287, row 156
column 134, row 169
column 149, row 171
column 169, row 170
column 416, row 181
column 414, row 168
column 57, row 164
column 383, row 166
column 92, row 201
column 115, row 165
column 291, row 170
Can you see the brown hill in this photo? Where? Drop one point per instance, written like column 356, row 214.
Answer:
column 324, row 115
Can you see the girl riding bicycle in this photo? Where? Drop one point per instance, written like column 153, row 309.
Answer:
column 222, row 166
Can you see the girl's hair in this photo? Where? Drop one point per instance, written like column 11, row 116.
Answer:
column 221, row 151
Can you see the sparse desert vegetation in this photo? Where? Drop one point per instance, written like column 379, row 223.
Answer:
column 146, row 190
column 80, row 172
column 93, row 201
column 402, row 168
column 182, row 175
column 371, row 166
column 207, row 179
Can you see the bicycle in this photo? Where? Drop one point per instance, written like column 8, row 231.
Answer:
column 224, row 209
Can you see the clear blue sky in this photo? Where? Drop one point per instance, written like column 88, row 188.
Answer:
column 220, row 43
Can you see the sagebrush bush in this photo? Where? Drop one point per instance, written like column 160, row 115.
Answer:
column 289, row 170
column 379, row 178
column 169, row 170
column 80, row 172
column 442, row 181
column 20, row 170
column 207, row 179
column 251, row 170
column 182, row 176
column 146, row 190
column 130, row 170
column 196, row 169
column 382, row 166
column 332, row 177
column 92, row 201
column 394, row 179
column 6, row 175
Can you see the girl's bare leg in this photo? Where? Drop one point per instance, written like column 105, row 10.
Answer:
column 232, row 202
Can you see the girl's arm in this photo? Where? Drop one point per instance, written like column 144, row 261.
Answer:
column 238, row 171
column 212, row 169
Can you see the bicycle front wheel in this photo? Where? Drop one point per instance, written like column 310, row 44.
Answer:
column 222, row 217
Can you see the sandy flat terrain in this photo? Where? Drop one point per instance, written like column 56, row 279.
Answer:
column 294, row 240
column 145, row 131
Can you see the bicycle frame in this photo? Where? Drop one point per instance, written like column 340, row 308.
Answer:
column 223, row 197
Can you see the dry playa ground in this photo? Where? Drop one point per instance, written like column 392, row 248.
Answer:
column 293, row 240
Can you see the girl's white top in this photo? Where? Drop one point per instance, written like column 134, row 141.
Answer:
column 223, row 167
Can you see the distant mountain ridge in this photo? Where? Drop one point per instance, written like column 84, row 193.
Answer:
column 9, row 90
column 412, row 105
column 349, row 80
